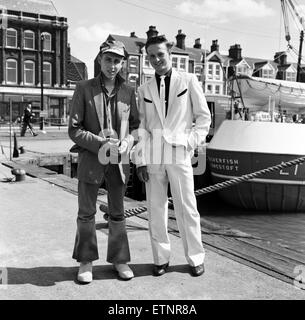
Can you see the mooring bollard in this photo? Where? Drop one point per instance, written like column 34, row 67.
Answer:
column 19, row 174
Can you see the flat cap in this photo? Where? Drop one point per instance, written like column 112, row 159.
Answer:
column 116, row 47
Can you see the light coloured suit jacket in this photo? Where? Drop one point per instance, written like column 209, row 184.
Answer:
column 86, row 123
column 185, row 127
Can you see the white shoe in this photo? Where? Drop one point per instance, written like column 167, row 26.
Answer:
column 85, row 273
column 125, row 273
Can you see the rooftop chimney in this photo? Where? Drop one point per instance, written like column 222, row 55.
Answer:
column 214, row 46
column 133, row 35
column 235, row 52
column 181, row 40
column 68, row 53
column 152, row 32
column 197, row 44
column 280, row 58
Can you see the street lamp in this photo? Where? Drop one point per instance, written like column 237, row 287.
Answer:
column 42, row 37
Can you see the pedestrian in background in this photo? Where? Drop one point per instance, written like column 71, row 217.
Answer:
column 103, row 115
column 28, row 115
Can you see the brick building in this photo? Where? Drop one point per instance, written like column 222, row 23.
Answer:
column 34, row 41
column 137, row 68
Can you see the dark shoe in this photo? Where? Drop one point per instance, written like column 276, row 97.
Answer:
column 197, row 271
column 160, row 270
column 35, row 134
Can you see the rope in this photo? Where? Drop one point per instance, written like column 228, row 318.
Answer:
column 247, row 177
column 128, row 213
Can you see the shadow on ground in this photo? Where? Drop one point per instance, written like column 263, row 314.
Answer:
column 50, row 276
column 129, row 227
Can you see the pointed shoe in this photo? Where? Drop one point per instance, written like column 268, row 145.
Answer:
column 124, row 272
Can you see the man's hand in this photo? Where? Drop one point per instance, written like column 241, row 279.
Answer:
column 123, row 147
column 143, row 174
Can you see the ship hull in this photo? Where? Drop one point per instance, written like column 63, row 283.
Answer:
column 282, row 191
column 240, row 148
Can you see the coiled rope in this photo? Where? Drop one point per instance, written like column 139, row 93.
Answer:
column 128, row 213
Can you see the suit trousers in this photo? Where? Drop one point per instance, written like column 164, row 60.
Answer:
column 180, row 177
column 85, row 248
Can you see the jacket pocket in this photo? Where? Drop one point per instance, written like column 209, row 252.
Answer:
column 182, row 93
column 148, row 101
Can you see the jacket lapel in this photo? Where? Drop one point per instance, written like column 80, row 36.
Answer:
column 173, row 90
column 152, row 86
column 98, row 100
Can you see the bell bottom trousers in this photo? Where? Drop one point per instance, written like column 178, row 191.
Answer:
column 85, row 248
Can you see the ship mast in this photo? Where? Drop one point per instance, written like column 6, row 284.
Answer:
column 289, row 4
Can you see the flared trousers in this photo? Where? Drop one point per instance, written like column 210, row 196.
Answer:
column 86, row 247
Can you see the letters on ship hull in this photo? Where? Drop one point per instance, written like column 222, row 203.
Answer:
column 243, row 147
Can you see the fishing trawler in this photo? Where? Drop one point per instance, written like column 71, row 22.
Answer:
column 243, row 147
column 266, row 129
column 270, row 131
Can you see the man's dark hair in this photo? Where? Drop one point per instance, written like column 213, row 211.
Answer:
column 158, row 40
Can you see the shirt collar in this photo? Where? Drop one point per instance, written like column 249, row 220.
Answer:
column 168, row 74
column 119, row 80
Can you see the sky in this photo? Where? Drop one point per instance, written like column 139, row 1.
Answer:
column 257, row 25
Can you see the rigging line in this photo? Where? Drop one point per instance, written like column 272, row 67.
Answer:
column 298, row 14
column 295, row 51
column 295, row 21
column 293, row 57
column 281, row 31
column 196, row 22
column 301, row 11
column 161, row 4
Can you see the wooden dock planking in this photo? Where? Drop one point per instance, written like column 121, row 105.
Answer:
column 52, row 159
column 241, row 247
column 259, row 254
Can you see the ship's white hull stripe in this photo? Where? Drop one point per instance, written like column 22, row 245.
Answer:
column 274, row 181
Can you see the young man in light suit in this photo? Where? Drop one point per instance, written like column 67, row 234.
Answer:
column 168, row 105
column 103, row 114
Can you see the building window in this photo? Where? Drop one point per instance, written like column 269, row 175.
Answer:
column 268, row 73
column 291, row 76
column 242, row 70
column 217, row 72
column 29, row 72
column 175, row 62
column 217, row 89
column 198, row 72
column 146, row 61
column 11, row 71
column 183, row 64
column 133, row 65
column 209, row 89
column 210, row 71
column 133, row 79
column 29, row 39
column 47, row 73
column 11, row 38
column 47, row 43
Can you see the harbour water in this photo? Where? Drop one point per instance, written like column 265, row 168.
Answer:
column 286, row 230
